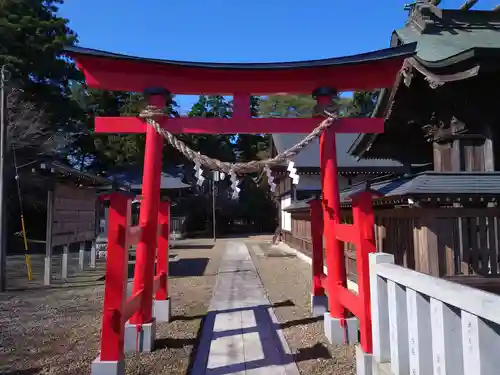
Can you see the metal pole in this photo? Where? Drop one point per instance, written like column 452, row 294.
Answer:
column 3, row 244
column 215, row 179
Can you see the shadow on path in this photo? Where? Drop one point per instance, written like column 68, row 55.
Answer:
column 272, row 353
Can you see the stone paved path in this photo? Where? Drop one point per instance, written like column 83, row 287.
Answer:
column 241, row 334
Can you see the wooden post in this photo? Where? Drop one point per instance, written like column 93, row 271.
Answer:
column 429, row 255
column 48, row 239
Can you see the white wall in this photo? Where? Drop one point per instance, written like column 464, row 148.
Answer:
column 286, row 217
column 313, row 182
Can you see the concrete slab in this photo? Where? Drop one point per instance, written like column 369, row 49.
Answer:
column 240, row 333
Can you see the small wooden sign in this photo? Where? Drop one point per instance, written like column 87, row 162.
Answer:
column 74, row 215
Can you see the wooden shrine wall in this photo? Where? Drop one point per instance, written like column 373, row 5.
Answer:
column 73, row 215
column 443, row 242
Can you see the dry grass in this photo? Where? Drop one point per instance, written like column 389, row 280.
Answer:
column 57, row 330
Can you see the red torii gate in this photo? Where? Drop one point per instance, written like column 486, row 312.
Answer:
column 157, row 79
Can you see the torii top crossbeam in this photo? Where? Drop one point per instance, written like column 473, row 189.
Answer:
column 366, row 71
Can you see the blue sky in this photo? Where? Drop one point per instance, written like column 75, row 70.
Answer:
column 239, row 30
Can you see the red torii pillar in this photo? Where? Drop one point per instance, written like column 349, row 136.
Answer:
column 140, row 331
column 337, row 327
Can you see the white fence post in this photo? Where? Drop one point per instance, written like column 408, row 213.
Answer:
column 64, row 263
column 47, row 279
column 419, row 333
column 93, row 254
column 446, row 339
column 81, row 256
column 481, row 342
column 398, row 328
column 380, row 309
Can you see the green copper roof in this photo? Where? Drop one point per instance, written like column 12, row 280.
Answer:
column 441, row 34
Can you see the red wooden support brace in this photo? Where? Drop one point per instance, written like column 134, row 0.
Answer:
column 317, row 246
column 364, row 219
column 148, row 219
column 162, row 259
column 319, row 301
column 162, row 307
column 116, row 278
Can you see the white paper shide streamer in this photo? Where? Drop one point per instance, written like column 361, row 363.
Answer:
column 234, row 184
column 199, row 173
column 292, row 172
column 270, row 178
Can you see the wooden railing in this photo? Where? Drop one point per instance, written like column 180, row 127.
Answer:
column 426, row 325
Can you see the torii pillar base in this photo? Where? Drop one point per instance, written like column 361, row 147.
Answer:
column 162, row 310
column 142, row 340
column 107, row 367
column 337, row 334
column 319, row 305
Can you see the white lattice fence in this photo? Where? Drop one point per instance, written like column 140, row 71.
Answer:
column 424, row 325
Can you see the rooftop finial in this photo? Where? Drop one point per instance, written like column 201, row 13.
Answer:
column 469, row 4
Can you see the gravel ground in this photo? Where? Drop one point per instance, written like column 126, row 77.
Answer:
column 56, row 330
column 287, row 281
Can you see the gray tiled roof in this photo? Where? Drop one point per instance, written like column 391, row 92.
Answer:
column 444, row 183
column 297, row 206
column 426, row 183
column 442, row 33
column 310, row 156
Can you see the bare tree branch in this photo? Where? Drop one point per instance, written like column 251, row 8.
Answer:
column 27, row 128
column 435, row 2
column 468, row 4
